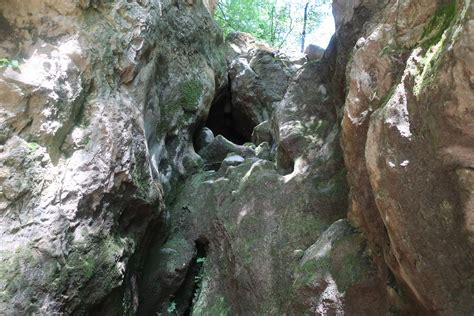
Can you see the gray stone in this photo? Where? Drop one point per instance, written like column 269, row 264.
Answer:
column 233, row 160
column 96, row 126
column 313, row 52
column 217, row 151
column 258, row 78
column 262, row 133
column 204, row 137
column 263, row 151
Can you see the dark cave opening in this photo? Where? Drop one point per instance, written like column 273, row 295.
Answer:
column 222, row 119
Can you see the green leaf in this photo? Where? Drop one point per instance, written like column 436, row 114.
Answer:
column 200, row 260
column 14, row 64
column 4, row 62
column 172, row 308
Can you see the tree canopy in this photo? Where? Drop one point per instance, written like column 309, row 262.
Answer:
column 276, row 22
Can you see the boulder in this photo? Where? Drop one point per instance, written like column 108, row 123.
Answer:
column 258, row 78
column 336, row 276
column 407, row 140
column 219, row 148
column 95, row 128
column 314, row 52
column 233, row 160
column 262, row 133
column 204, row 137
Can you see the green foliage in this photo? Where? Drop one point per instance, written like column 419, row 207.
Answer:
column 32, row 146
column 200, row 259
column 273, row 21
column 438, row 24
column 6, row 62
column 171, row 308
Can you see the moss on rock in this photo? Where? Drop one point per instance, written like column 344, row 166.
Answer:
column 435, row 39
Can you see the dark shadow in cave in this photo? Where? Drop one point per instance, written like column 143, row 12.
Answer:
column 191, row 286
column 221, row 120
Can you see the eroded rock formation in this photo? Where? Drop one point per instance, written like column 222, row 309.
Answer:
column 97, row 125
column 130, row 183
column 408, row 144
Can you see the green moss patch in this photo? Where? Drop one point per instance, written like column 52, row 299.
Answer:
column 353, row 269
column 434, row 42
column 12, row 266
column 141, row 178
column 189, row 95
column 311, row 269
column 438, row 24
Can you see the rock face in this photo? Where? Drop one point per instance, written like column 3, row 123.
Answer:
column 344, row 282
column 254, row 218
column 407, row 138
column 92, row 134
column 258, row 78
column 129, row 185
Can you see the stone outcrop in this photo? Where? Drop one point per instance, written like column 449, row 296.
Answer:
column 314, row 52
column 130, row 184
column 259, row 77
column 407, row 139
column 93, row 134
column 257, row 218
column 254, row 216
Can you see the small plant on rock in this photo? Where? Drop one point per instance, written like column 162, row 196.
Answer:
column 172, row 308
column 6, row 62
column 200, row 259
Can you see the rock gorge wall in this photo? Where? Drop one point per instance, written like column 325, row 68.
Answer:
column 349, row 189
column 407, row 139
column 94, row 133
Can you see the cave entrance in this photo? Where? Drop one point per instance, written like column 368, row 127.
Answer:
column 222, row 121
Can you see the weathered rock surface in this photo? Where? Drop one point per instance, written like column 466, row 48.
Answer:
column 408, row 146
column 256, row 214
column 259, row 77
column 335, row 276
column 314, row 52
column 107, row 209
column 92, row 134
column 214, row 153
column 262, row 133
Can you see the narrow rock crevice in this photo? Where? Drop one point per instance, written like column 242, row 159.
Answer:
column 183, row 300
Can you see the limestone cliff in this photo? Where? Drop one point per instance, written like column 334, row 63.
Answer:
column 149, row 167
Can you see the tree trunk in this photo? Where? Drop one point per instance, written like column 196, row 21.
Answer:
column 305, row 19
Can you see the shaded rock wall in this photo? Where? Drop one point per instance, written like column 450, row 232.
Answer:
column 95, row 128
column 407, row 140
